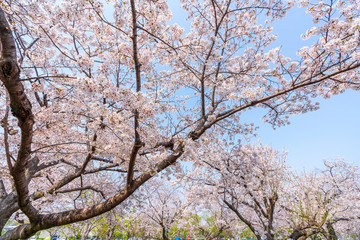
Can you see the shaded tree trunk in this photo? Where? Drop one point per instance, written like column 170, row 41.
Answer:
column 8, row 206
column 164, row 233
column 86, row 231
column 109, row 232
column 331, row 231
column 241, row 217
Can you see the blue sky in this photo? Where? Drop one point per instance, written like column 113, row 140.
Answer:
column 331, row 132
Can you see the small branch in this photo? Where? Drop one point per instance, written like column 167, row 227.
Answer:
column 203, row 127
column 101, row 159
column 4, row 123
column 137, row 143
column 3, row 192
column 242, row 218
column 45, row 77
column 81, row 189
column 49, row 164
column 57, row 144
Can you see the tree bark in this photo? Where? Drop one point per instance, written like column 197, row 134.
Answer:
column 110, row 232
column 76, row 215
column 331, row 231
column 8, row 206
column 22, row 110
column 258, row 237
column 164, row 233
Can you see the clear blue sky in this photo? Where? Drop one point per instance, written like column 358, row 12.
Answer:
column 332, row 131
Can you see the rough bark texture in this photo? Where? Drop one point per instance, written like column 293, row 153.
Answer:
column 8, row 206
column 67, row 217
column 21, row 109
column 164, row 233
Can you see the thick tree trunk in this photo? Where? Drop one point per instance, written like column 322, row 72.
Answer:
column 21, row 108
column 270, row 217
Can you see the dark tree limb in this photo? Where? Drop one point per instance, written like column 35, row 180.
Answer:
column 21, row 109
column 241, row 217
column 76, row 215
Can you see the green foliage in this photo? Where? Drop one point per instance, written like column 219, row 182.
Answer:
column 175, row 231
column 353, row 236
column 247, row 233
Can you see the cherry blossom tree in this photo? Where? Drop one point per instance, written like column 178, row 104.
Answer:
column 254, row 182
column 162, row 205
column 249, row 180
column 95, row 87
column 110, row 222
column 214, row 221
column 325, row 203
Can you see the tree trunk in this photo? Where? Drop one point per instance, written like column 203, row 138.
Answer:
column 297, row 234
column 269, row 236
column 164, row 233
column 86, row 231
column 109, row 232
column 331, row 231
column 8, row 206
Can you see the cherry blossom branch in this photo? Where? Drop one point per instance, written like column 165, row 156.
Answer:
column 137, row 143
column 70, row 177
column 201, row 128
column 67, row 217
column 101, row 159
column 248, row 223
column 57, row 144
column 25, row 49
column 158, row 38
column 46, row 77
column 55, row 45
column 102, row 18
column 49, row 164
column 81, row 189
column 107, row 168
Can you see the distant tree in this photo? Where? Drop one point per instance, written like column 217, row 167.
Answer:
column 254, row 182
column 249, row 180
column 325, row 203
column 93, row 87
column 162, row 205
column 110, row 222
